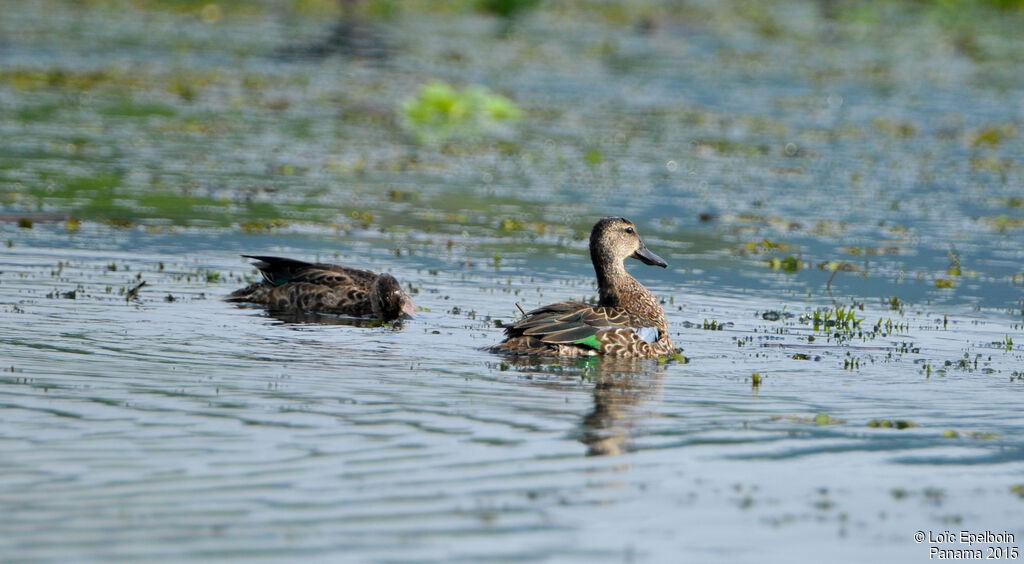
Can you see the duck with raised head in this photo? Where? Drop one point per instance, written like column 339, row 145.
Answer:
column 301, row 287
column 627, row 321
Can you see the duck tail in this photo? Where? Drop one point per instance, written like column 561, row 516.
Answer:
column 277, row 270
column 256, row 293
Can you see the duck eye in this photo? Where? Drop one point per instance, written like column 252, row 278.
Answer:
column 630, row 230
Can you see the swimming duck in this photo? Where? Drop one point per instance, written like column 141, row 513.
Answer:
column 627, row 320
column 297, row 286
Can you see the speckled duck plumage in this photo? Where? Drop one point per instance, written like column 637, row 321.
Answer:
column 290, row 285
column 627, row 321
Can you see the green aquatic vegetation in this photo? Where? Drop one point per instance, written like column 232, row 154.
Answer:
column 821, row 419
column 430, row 215
column 983, row 436
column 763, row 246
column 945, row 283
column 402, row 196
column 891, row 424
column 789, row 264
column 25, row 223
column 629, row 13
column 894, row 127
column 260, row 226
column 992, row 135
column 512, row 225
column 208, row 12
column 507, row 148
column 1003, row 223
column 767, row 220
column 507, row 8
column 905, row 347
column 860, row 251
column 992, row 164
column 835, row 268
column 382, row 9
column 104, row 198
column 713, row 325
column 185, row 87
column 439, row 112
column 675, row 356
column 69, row 295
column 593, row 157
column 966, row 363
column 727, row 147
column 301, row 128
column 838, row 317
column 364, row 217
column 509, row 225
column 977, row 435
column 763, row 18
column 113, row 80
column 26, row 79
column 954, row 261
column 254, row 82
column 126, row 107
column 1006, row 4
column 42, row 112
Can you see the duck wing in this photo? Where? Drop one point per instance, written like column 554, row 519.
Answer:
column 577, row 323
column 278, row 271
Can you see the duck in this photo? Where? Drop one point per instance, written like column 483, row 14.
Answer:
column 291, row 285
column 627, row 321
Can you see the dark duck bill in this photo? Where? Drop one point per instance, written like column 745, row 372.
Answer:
column 647, row 257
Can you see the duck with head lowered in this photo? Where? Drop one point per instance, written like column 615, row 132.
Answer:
column 627, row 321
column 290, row 285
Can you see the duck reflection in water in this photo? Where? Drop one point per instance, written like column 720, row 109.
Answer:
column 310, row 318
column 623, row 393
column 624, row 390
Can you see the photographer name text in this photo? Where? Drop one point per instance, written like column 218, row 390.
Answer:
column 970, row 545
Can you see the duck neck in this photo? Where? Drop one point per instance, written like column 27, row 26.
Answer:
column 612, row 279
column 617, row 288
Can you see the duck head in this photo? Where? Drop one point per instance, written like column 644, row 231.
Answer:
column 613, row 240
column 388, row 299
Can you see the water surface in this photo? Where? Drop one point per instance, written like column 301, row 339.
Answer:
column 783, row 163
